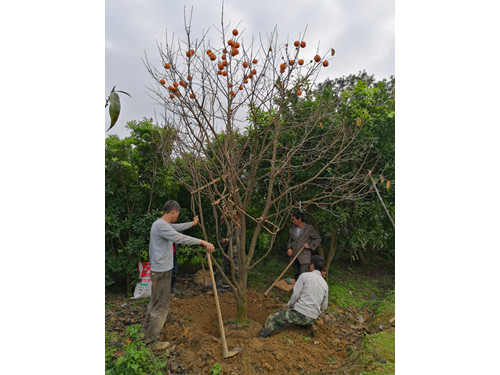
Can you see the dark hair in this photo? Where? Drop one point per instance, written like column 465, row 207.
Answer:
column 299, row 215
column 171, row 206
column 318, row 261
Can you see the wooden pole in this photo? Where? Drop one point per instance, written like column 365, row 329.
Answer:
column 225, row 352
column 287, row 267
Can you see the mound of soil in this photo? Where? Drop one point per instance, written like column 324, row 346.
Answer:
column 194, row 340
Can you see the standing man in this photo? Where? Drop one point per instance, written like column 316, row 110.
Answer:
column 302, row 234
column 163, row 234
column 309, row 299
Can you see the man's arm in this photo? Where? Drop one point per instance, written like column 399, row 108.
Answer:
column 181, row 227
column 168, row 232
column 184, row 226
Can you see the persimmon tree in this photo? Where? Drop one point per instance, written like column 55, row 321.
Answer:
column 248, row 123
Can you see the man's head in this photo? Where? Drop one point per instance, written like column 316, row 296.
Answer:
column 172, row 209
column 318, row 262
column 298, row 218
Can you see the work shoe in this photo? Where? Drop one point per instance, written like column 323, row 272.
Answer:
column 313, row 330
column 264, row 333
column 160, row 345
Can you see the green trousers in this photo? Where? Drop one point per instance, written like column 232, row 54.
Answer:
column 284, row 318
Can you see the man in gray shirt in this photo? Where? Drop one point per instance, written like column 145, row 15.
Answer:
column 163, row 234
column 309, row 299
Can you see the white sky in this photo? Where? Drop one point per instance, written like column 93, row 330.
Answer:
column 360, row 31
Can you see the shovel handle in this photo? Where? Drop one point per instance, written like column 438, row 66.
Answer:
column 219, row 314
column 282, row 273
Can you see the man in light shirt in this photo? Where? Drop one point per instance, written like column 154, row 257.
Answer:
column 161, row 256
column 309, row 299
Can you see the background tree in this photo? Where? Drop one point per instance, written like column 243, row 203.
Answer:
column 231, row 104
column 137, row 185
column 362, row 227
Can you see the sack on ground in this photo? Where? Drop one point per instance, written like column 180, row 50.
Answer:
column 202, row 277
column 143, row 288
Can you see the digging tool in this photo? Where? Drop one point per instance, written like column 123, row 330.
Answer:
column 225, row 352
column 282, row 273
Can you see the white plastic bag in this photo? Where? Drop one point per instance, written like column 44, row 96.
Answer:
column 143, row 288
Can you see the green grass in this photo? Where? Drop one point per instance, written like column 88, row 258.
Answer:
column 265, row 273
column 377, row 353
column 346, row 291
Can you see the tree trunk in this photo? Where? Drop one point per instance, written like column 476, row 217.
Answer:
column 241, row 308
column 361, row 256
column 320, row 247
column 331, row 252
column 128, row 285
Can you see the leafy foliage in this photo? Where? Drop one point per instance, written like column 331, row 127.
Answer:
column 137, row 186
column 137, row 358
column 361, row 226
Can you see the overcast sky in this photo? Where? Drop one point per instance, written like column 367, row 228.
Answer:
column 360, row 31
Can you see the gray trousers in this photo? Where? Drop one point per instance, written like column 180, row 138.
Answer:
column 157, row 311
column 299, row 268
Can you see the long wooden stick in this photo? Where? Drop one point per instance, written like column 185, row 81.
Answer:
column 381, row 201
column 287, row 267
column 219, row 313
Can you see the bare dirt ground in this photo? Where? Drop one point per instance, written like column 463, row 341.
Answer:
column 194, row 339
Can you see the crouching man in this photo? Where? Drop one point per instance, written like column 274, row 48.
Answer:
column 309, row 299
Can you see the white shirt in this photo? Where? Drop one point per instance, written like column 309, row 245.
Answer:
column 310, row 294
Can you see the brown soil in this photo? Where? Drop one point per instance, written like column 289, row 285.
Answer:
column 194, row 338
